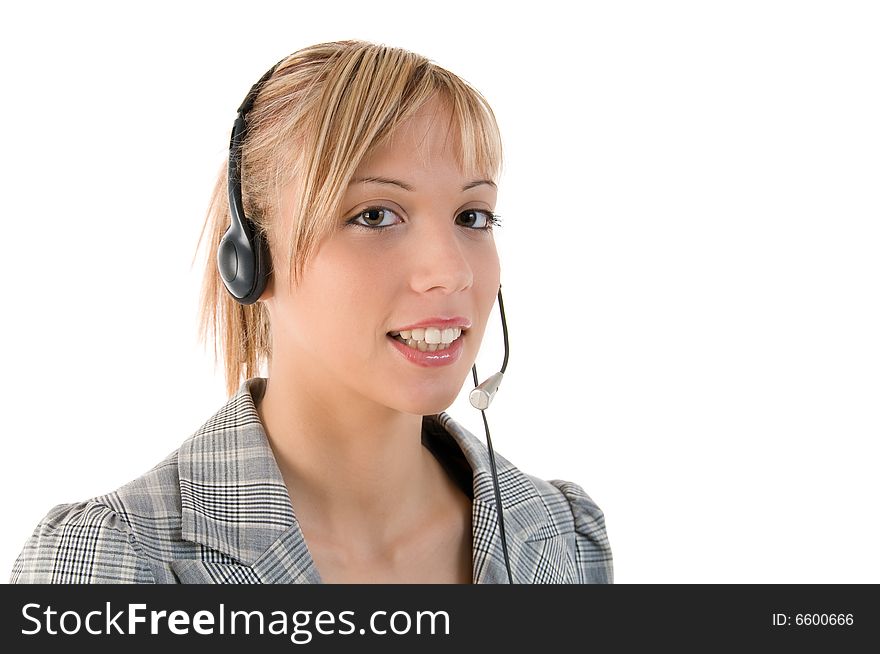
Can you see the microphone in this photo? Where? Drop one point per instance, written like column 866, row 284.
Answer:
column 481, row 396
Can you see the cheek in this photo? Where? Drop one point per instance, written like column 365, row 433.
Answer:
column 488, row 279
column 487, row 274
column 348, row 294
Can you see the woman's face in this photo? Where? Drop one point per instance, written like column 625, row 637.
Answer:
column 411, row 246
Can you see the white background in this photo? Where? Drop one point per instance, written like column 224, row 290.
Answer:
column 689, row 256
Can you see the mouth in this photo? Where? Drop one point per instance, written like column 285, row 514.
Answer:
column 429, row 339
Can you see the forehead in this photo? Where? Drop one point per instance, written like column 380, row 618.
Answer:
column 427, row 140
column 426, row 135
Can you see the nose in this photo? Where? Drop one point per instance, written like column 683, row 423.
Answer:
column 440, row 259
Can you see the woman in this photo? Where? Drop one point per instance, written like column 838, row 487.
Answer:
column 353, row 235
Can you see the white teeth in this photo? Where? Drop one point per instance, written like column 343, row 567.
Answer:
column 429, row 339
column 436, row 335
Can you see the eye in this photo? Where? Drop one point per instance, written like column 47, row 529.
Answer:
column 478, row 219
column 374, row 217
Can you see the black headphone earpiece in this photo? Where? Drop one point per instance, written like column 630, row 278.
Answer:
column 243, row 261
column 243, row 258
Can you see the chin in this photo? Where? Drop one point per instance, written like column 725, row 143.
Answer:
column 426, row 404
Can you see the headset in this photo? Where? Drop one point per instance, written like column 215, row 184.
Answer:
column 243, row 262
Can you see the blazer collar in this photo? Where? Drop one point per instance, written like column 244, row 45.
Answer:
column 234, row 501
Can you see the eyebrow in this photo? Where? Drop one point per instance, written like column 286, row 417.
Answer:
column 477, row 182
column 407, row 187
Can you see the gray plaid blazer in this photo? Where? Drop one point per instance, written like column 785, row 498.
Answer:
column 218, row 511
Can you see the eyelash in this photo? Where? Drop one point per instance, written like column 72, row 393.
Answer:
column 492, row 219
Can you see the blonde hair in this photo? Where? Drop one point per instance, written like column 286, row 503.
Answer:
column 314, row 120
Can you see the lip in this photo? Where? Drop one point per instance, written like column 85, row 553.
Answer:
column 436, row 321
column 430, row 359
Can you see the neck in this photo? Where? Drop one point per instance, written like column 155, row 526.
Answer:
column 356, row 471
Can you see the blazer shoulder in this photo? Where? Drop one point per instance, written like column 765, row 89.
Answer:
column 106, row 539
column 84, row 542
column 152, row 497
column 592, row 548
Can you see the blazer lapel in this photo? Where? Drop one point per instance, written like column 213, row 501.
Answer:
column 235, row 504
column 287, row 561
column 538, row 551
column 542, row 561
